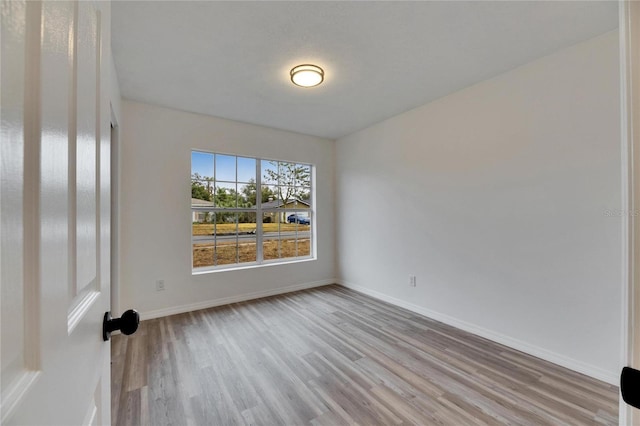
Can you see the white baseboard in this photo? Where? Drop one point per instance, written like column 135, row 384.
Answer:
column 561, row 360
column 158, row 313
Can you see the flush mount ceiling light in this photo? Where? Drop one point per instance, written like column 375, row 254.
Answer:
column 307, row 75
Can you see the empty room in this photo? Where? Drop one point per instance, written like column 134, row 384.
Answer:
column 320, row 212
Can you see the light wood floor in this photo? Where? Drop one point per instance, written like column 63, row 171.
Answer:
column 331, row 356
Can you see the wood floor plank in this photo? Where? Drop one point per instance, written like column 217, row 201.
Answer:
column 332, row 356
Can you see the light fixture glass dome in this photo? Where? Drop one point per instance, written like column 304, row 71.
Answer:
column 307, row 75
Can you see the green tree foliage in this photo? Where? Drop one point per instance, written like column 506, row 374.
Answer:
column 293, row 180
column 225, row 197
column 200, row 190
column 304, row 195
column 290, row 181
column 248, row 192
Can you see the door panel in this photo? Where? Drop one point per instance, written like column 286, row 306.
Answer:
column 17, row 338
column 55, row 193
column 86, row 149
column 84, row 177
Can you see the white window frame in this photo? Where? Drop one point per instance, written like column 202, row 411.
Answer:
column 259, row 212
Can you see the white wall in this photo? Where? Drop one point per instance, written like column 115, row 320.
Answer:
column 155, row 233
column 495, row 197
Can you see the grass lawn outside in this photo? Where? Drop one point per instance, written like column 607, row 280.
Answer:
column 230, row 228
column 225, row 252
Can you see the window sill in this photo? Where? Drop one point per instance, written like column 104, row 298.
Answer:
column 211, row 269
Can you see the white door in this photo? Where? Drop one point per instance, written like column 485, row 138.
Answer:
column 54, row 212
column 630, row 76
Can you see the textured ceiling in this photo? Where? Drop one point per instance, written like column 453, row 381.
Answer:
column 232, row 59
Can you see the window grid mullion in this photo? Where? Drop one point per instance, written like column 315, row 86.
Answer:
column 237, row 236
column 215, row 215
column 235, row 185
column 259, row 229
column 215, row 236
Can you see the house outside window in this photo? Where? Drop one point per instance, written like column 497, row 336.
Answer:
column 233, row 226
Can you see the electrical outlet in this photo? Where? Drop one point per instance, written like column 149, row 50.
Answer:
column 412, row 280
column 160, row 285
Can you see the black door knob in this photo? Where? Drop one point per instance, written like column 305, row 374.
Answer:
column 630, row 386
column 127, row 323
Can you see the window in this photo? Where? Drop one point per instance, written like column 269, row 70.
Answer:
column 249, row 211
